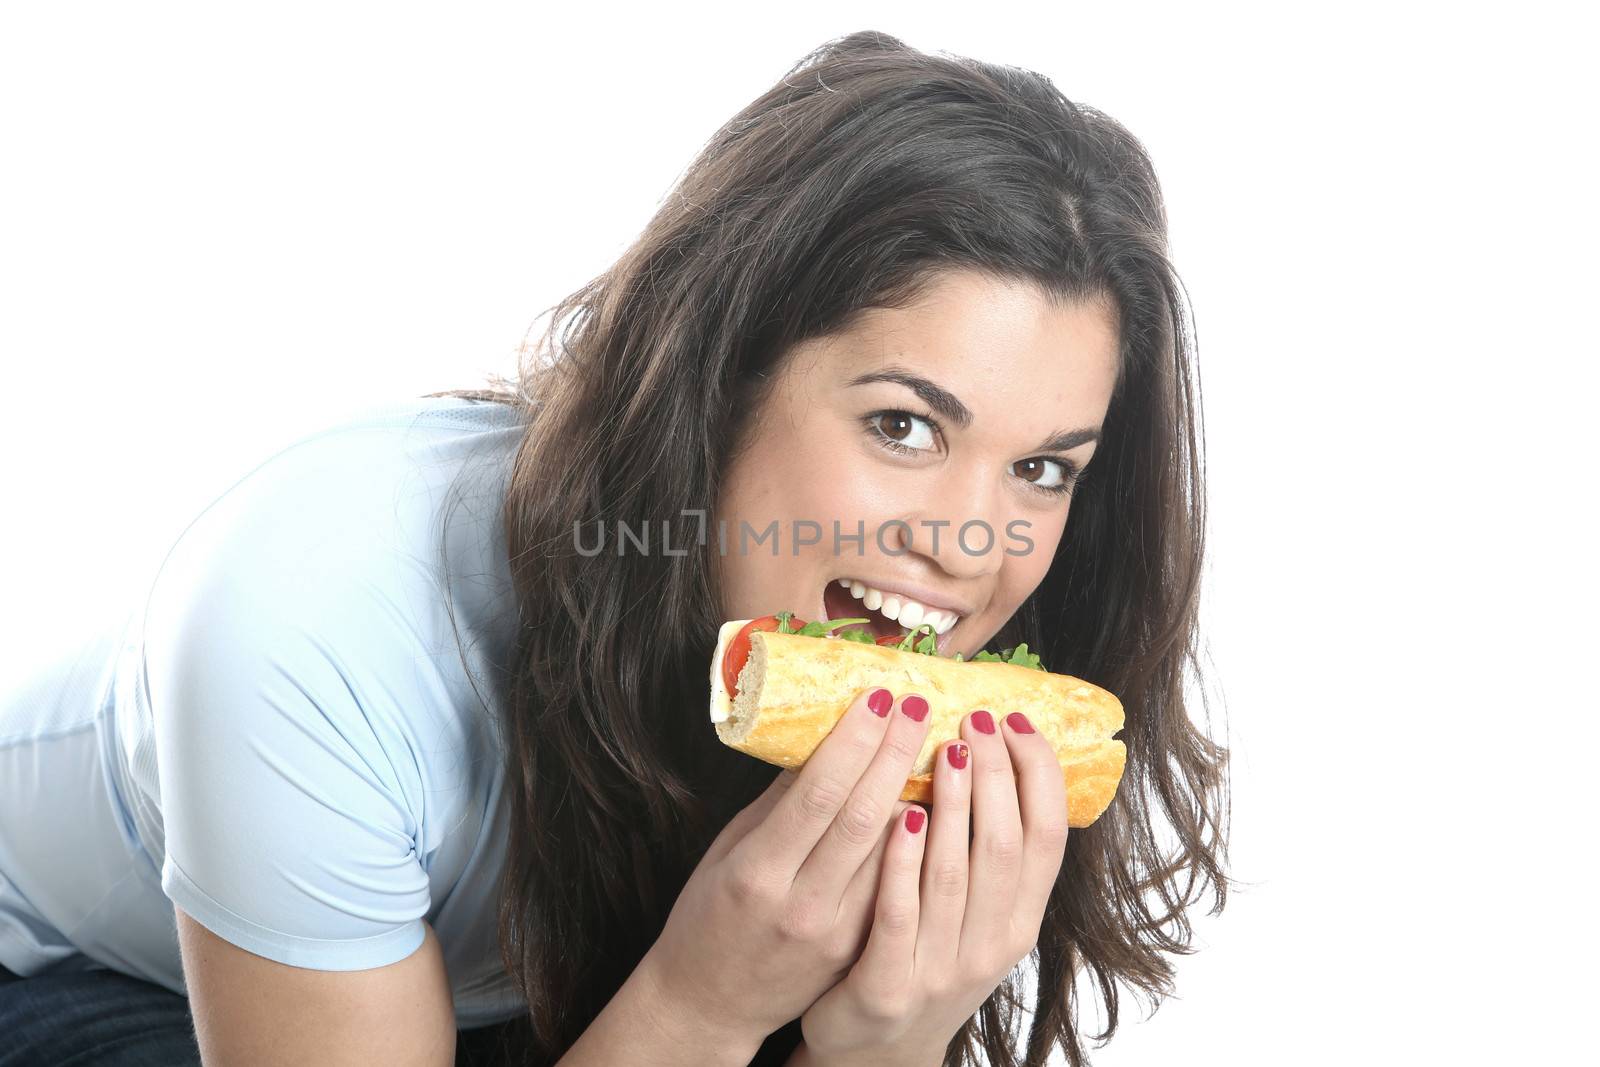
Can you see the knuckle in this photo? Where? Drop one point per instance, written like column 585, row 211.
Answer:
column 749, row 885
column 864, row 741
column 903, row 744
column 885, row 1004
column 950, row 879
column 821, row 798
column 1053, row 834
column 1003, row 848
column 801, row 924
column 897, row 917
column 859, row 822
column 998, row 766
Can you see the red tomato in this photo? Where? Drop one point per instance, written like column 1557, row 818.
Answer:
column 739, row 649
column 891, row 639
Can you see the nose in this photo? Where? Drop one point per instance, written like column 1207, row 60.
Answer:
column 961, row 525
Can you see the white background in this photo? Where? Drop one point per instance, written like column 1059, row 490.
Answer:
column 222, row 228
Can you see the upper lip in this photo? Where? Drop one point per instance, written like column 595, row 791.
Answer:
column 921, row 594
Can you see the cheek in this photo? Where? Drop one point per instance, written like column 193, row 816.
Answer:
column 1046, row 538
column 744, row 589
column 1021, row 575
column 786, row 481
column 780, row 481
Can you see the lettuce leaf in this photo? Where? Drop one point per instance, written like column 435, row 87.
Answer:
column 927, row 645
column 1017, row 657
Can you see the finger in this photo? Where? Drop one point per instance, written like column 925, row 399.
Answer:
column 995, row 861
column 861, row 895
column 885, row 969
column 944, row 860
column 806, row 811
column 751, row 814
column 853, row 832
column 1042, row 796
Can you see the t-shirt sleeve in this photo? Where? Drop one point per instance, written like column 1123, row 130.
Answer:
column 273, row 677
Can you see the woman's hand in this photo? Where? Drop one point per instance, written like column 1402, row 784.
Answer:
column 939, row 949
column 781, row 904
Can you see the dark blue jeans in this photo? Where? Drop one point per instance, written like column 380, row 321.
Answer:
column 93, row 1017
column 106, row 1019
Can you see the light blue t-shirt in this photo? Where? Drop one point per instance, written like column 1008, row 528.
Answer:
column 282, row 738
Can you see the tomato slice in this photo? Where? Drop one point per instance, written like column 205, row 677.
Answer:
column 739, row 649
column 891, row 639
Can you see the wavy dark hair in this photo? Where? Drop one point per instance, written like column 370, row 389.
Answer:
column 867, row 171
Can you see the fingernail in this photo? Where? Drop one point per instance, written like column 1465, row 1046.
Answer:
column 880, row 701
column 957, row 755
column 1019, row 722
column 983, row 721
column 915, row 707
column 914, row 817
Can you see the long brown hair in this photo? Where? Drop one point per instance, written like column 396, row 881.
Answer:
column 867, row 170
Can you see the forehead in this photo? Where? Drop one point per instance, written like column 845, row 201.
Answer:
column 1000, row 346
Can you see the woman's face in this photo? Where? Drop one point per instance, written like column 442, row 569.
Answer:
column 946, row 434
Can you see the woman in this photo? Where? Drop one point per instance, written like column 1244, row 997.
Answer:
column 898, row 292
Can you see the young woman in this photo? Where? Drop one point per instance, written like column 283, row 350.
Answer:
column 393, row 749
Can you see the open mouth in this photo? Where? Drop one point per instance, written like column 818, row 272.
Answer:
column 887, row 615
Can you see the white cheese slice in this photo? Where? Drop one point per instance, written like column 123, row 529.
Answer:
column 721, row 702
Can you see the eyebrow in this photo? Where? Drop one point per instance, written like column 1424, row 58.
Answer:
column 945, row 403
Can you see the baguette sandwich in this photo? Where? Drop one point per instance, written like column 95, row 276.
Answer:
column 778, row 687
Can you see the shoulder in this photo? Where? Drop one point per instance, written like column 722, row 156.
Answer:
column 311, row 590
column 314, row 735
column 335, row 500
column 346, row 526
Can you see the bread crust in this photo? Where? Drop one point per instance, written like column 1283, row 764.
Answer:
column 794, row 689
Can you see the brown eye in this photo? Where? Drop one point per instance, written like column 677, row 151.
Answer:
column 1040, row 472
column 903, row 431
column 894, row 425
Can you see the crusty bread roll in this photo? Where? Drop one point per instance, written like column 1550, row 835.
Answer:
column 793, row 689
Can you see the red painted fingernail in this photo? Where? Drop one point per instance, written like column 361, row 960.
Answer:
column 915, row 707
column 914, row 817
column 1019, row 722
column 957, row 755
column 983, row 721
column 880, row 701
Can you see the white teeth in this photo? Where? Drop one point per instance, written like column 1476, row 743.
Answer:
column 907, row 612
